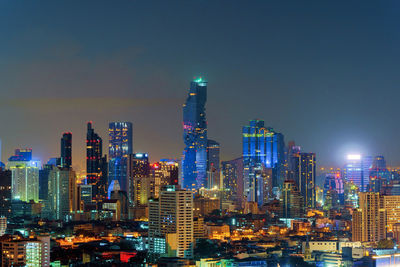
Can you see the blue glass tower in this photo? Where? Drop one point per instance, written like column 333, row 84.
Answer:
column 194, row 159
column 263, row 148
column 120, row 146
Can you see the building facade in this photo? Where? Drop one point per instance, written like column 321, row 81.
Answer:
column 194, row 158
column 369, row 220
column 96, row 164
column 120, row 146
column 171, row 223
column 262, row 148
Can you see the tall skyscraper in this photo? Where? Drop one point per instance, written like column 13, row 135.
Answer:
column 232, row 177
column 44, row 181
column 292, row 201
column 62, row 196
column 213, row 171
column 120, row 146
column 262, row 148
column 66, row 150
column 171, row 223
column 96, row 163
column 357, row 170
column 194, row 158
column 138, row 169
column 369, row 220
column 304, row 175
column 25, row 176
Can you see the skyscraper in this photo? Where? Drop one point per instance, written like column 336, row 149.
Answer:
column 232, row 177
column 304, row 175
column 25, row 176
column 194, row 158
column 66, row 150
column 96, row 164
column 120, row 146
column 357, row 170
column 213, row 171
column 292, row 201
column 138, row 169
column 369, row 220
column 62, row 196
column 171, row 223
column 262, row 148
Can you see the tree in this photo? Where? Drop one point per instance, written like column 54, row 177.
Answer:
column 386, row 244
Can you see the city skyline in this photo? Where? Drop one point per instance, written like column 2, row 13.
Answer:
column 306, row 63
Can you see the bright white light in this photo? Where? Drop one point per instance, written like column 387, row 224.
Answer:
column 354, row 157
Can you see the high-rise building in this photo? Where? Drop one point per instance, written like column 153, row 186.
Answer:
column 392, row 208
column 171, row 223
column 120, row 146
column 292, row 201
column 62, row 197
column 232, row 177
column 357, row 170
column 44, row 181
column 66, row 150
column 25, row 176
column 96, row 164
column 5, row 192
column 379, row 175
column 138, row 170
column 262, row 148
column 304, row 165
column 168, row 170
column 194, row 158
column 213, row 171
column 369, row 220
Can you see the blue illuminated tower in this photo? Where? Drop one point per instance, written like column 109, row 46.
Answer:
column 194, row 158
column 263, row 149
column 120, row 146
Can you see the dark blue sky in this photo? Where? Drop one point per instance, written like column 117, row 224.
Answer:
column 324, row 74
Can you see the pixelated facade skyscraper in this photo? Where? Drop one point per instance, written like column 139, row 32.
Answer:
column 194, row 158
column 120, row 146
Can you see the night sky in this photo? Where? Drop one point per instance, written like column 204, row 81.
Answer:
column 324, row 74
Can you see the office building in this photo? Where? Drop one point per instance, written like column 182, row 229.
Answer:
column 379, row 175
column 62, row 197
column 24, row 176
column 44, row 181
column 96, row 164
column 357, row 170
column 194, row 158
column 213, row 169
column 262, row 148
column 232, row 178
column 138, row 170
column 369, row 220
column 66, row 150
column 120, row 146
column 304, row 172
column 292, row 201
column 5, row 192
column 171, row 223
